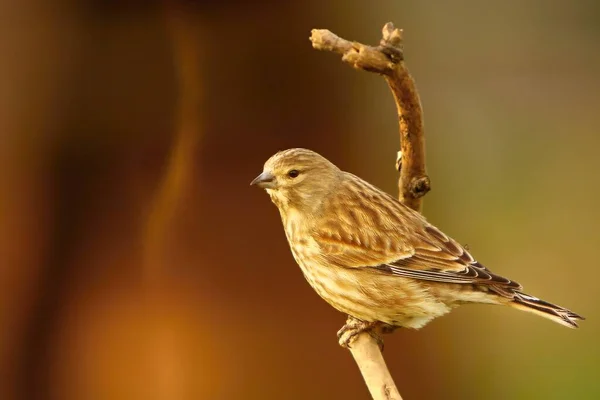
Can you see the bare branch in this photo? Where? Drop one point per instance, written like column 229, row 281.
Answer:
column 367, row 353
column 387, row 59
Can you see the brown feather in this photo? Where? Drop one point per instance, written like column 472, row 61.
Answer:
column 398, row 241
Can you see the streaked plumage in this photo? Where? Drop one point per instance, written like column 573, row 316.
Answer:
column 373, row 258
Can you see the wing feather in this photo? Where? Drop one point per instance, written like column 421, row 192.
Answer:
column 370, row 229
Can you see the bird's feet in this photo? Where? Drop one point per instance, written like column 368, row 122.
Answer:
column 354, row 327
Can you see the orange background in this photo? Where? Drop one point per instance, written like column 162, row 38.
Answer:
column 137, row 263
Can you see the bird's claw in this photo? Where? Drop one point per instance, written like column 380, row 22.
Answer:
column 353, row 327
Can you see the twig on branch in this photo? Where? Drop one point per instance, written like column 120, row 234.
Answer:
column 387, row 59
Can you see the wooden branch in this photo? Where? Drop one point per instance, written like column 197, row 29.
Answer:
column 387, row 59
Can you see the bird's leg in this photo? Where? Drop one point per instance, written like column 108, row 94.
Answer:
column 354, row 327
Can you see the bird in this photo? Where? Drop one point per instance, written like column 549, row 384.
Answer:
column 375, row 259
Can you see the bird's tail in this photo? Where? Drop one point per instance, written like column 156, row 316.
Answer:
column 542, row 308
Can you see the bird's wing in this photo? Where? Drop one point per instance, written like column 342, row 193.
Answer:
column 440, row 258
column 366, row 228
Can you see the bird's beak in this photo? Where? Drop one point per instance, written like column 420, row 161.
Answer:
column 266, row 180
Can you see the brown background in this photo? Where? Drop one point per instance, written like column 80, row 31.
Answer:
column 137, row 263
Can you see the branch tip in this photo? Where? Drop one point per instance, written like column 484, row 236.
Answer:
column 392, row 36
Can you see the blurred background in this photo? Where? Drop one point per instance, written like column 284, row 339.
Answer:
column 137, row 263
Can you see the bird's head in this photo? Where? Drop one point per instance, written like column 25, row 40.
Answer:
column 298, row 177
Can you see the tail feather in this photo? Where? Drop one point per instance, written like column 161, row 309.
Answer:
column 542, row 308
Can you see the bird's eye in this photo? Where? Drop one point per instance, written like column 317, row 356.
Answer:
column 293, row 173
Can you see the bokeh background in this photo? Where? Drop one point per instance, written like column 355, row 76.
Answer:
column 137, row 263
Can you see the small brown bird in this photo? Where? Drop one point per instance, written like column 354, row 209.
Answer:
column 375, row 259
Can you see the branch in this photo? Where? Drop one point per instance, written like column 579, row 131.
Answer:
column 387, row 59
